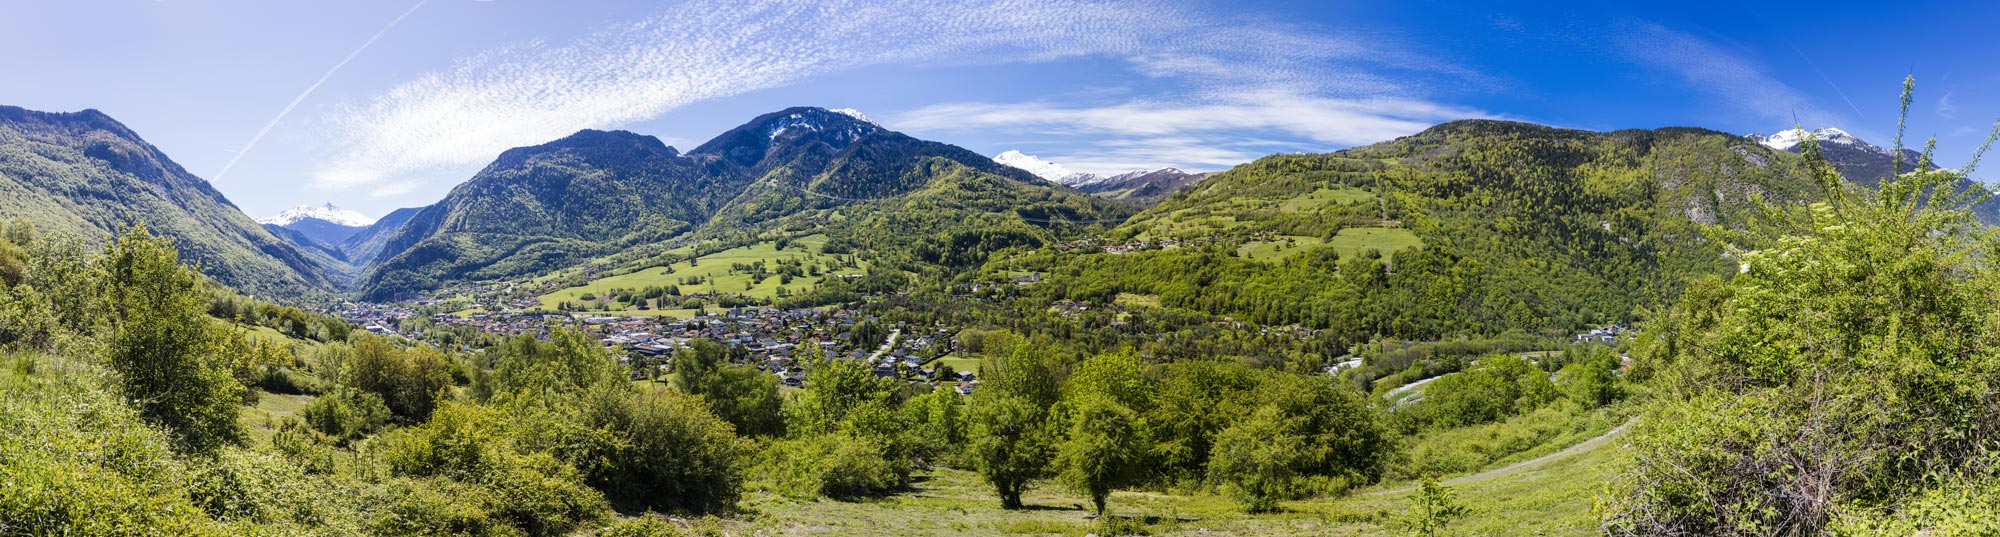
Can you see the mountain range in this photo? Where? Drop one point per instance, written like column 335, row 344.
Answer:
column 598, row 192
column 917, row 205
column 1142, row 188
column 86, row 174
column 1864, row 163
column 324, row 223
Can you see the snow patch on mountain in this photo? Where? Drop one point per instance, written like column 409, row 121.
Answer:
column 1042, row 168
column 1789, row 140
column 327, row 212
column 850, row 112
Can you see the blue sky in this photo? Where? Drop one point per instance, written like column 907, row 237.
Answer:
column 376, row 105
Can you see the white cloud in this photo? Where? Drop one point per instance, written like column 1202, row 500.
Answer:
column 1722, row 74
column 1946, row 108
column 1208, row 134
column 532, row 92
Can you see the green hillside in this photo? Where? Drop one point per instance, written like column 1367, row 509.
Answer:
column 924, row 206
column 84, row 173
column 1475, row 227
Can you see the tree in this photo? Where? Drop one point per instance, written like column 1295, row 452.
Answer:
column 668, row 452
column 835, row 389
column 410, row 381
column 739, row 394
column 1009, row 444
column 1260, row 460
column 1103, row 452
column 165, row 348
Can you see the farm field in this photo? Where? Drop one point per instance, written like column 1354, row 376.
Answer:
column 1349, row 242
column 715, row 273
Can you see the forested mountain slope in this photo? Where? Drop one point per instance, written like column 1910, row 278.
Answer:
column 546, row 207
column 85, row 173
column 362, row 247
column 1468, row 227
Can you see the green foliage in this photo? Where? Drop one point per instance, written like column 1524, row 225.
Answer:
column 1846, row 368
column 1499, row 387
column 834, row 390
column 665, row 451
column 1260, row 460
column 1521, row 227
column 412, row 382
column 939, row 422
column 1432, row 507
column 86, row 178
column 533, row 372
column 166, row 350
column 742, row 395
column 468, row 445
column 1104, row 451
column 1310, row 430
column 1009, row 444
column 347, row 414
column 842, row 465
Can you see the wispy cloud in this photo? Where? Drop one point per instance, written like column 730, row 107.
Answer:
column 247, row 146
column 1143, row 134
column 1945, row 108
column 1224, row 66
column 1723, row 74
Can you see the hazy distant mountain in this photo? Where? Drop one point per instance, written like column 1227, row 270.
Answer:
column 1044, row 169
column 362, row 246
column 324, row 223
column 84, row 172
column 1139, row 187
column 1861, row 162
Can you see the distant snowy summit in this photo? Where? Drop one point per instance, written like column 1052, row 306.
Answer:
column 1059, row 174
column 1043, row 169
column 1141, row 187
column 1790, row 140
column 326, row 213
column 1859, row 161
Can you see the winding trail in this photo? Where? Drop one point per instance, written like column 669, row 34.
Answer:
column 1516, row 468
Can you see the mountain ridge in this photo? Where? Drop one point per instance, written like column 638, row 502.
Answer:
column 86, row 173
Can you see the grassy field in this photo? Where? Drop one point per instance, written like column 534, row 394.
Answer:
column 1275, row 250
column 1349, row 242
column 1132, row 300
column 1549, row 498
column 714, row 269
column 1326, row 196
column 262, row 421
column 1352, row 241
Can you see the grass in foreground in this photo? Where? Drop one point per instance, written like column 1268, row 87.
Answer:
column 1554, row 498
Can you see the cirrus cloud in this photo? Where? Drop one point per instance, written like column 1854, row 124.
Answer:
column 1226, row 70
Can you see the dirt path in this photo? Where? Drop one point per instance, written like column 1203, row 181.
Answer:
column 1516, row 468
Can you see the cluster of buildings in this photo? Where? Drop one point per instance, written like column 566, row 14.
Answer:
column 1607, row 335
column 379, row 319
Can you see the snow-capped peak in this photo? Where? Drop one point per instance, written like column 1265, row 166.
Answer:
column 1041, row 168
column 850, row 112
column 1790, row 139
column 327, row 212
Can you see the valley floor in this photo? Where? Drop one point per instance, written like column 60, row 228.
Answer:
column 1552, row 495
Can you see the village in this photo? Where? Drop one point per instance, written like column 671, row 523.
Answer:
column 784, row 342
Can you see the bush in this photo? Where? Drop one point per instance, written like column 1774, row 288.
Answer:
column 346, row 414
column 531, row 491
column 666, row 451
column 837, row 465
column 168, row 352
